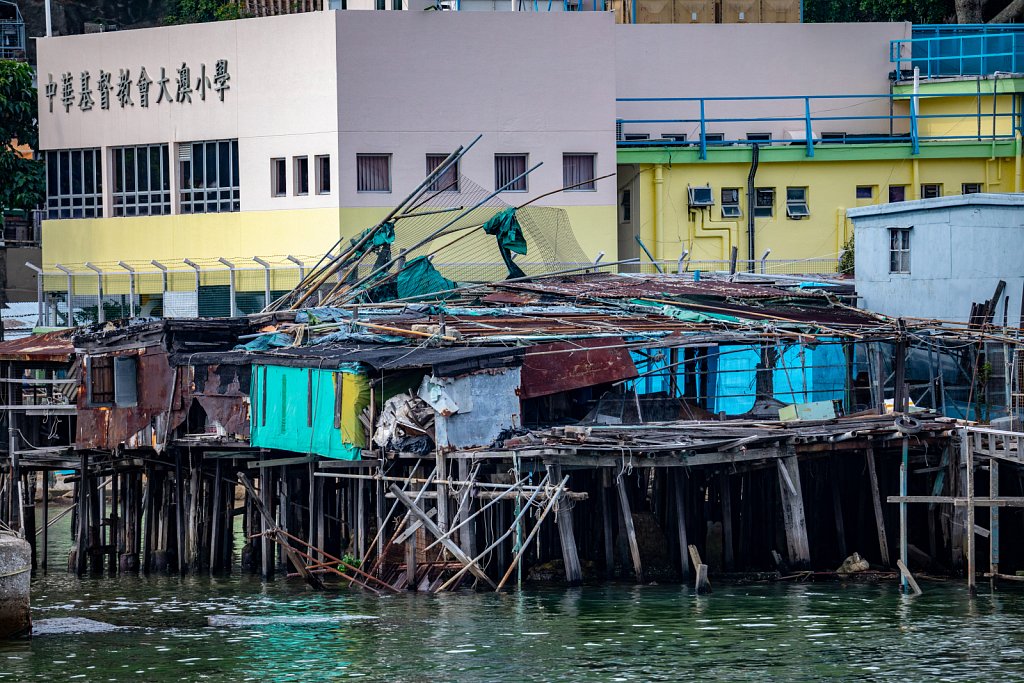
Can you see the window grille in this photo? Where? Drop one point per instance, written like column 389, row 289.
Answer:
column 142, row 183
column 74, row 184
column 208, row 176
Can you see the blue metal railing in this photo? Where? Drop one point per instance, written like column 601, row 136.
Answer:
column 966, row 52
column 808, row 111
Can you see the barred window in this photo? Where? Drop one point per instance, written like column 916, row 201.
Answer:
column 373, row 173
column 208, row 176
column 142, row 185
column 764, row 202
column 578, row 172
column 447, row 181
column 508, row 167
column 74, row 184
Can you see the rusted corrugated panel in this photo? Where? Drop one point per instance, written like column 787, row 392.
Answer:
column 582, row 363
column 50, row 347
column 608, row 285
column 512, row 298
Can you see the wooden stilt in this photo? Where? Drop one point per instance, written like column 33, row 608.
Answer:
column 627, row 519
column 678, row 484
column 968, row 455
column 607, row 537
column 266, row 549
column 46, row 519
column 727, row 542
column 837, row 506
column 701, row 584
column 566, row 535
column 876, row 499
column 793, row 517
column 993, row 524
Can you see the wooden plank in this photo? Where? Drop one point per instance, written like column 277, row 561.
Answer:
column 727, row 521
column 793, row 516
column 701, row 583
column 678, row 483
column 883, row 542
column 253, row 464
column 993, row 524
column 908, row 577
column 627, row 518
column 606, row 523
column 837, row 505
column 566, row 537
column 960, row 501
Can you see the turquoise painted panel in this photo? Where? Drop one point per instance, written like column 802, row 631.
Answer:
column 294, row 410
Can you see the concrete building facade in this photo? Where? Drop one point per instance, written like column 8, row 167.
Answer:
column 933, row 258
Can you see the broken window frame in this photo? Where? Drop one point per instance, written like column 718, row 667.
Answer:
column 899, row 251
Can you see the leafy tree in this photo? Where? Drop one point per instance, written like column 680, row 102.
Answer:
column 22, row 181
column 199, row 11
column 846, row 262
column 917, row 11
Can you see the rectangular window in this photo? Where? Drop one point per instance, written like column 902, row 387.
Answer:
column 507, row 171
column 865, row 192
column 113, row 380
column 971, row 188
column 373, row 173
column 731, row 202
column 713, row 138
column 380, row 4
column 74, row 184
column 101, row 380
column 931, row 190
column 897, row 193
column 764, row 202
column 674, row 137
column 899, row 250
column 759, row 137
column 578, row 172
column 447, row 181
column 396, row 4
column 636, row 137
column 300, row 177
column 626, row 206
column 833, row 137
column 323, row 174
column 796, row 203
column 208, row 176
column 142, row 181
column 278, row 177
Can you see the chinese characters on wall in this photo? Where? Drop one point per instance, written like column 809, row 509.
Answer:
column 180, row 85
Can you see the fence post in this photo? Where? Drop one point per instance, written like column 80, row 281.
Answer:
column 301, row 265
column 40, row 320
column 71, row 293
column 600, row 256
column 100, row 317
column 808, row 133
column 163, row 276
column 764, row 261
column 679, row 262
column 232, row 307
column 266, row 280
column 131, row 288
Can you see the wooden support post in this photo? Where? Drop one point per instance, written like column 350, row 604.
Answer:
column 566, row 535
column 701, row 584
column 968, row 453
column 793, row 516
column 361, row 518
column 467, row 534
column 876, row 499
column 993, row 523
column 179, row 508
column 627, row 518
column 908, row 578
column 837, row 506
column 727, row 520
column 678, row 484
column 607, row 536
column 46, row 518
column 283, row 513
column 904, row 531
column 410, row 552
column 267, row 550
column 217, row 520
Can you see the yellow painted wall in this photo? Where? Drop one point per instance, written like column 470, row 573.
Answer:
column 831, row 190
column 964, row 121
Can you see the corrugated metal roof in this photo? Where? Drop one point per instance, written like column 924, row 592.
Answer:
column 612, row 286
column 52, row 347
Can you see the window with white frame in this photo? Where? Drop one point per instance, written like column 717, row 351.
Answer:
column 74, row 184
column 323, row 174
column 142, row 181
column 931, row 190
column 208, row 177
column 278, row 177
column 373, row 173
column 301, row 175
column 971, row 188
column 714, row 138
column 731, row 202
column 578, row 172
column 899, row 250
column 764, row 202
column 796, row 203
column 509, row 169
column 448, row 181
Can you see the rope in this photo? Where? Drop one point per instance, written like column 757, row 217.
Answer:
column 16, row 572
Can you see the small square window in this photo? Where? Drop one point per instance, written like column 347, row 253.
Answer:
column 578, row 171
column 833, row 137
column 509, row 172
column 764, row 202
column 971, row 188
column 674, row 137
column 899, row 250
column 931, row 190
column 301, row 175
column 865, row 192
column 897, row 193
column 731, row 202
column 373, row 173
column 636, row 137
column 626, row 206
column 448, row 181
column 759, row 137
column 796, row 203
column 323, row 174
column 713, row 138
column 278, row 177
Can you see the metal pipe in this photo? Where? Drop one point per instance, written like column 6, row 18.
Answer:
column 679, row 262
column 266, row 279
column 189, row 262
column 100, row 317
column 131, row 288
column 755, row 155
column 764, row 260
column 232, row 288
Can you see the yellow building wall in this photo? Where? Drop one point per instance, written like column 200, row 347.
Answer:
column 958, row 116
column 831, row 189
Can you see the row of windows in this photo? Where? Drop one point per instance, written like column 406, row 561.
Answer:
column 373, row 173
column 208, row 180
column 717, row 138
column 898, row 193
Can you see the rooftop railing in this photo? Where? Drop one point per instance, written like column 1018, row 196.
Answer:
column 807, row 119
column 969, row 50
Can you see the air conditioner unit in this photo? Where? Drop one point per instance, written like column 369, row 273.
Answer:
column 700, row 196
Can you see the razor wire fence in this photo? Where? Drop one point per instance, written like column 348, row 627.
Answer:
column 223, row 288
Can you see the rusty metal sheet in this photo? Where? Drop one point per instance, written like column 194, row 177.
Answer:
column 50, row 347
column 610, row 285
column 578, row 364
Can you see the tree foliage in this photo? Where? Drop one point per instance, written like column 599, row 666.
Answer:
column 199, row 11
column 917, row 11
column 22, row 181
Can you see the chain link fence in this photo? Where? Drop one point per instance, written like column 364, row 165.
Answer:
column 71, row 297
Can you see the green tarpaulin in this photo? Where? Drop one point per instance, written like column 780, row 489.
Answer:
column 419, row 278
column 505, row 227
column 382, row 234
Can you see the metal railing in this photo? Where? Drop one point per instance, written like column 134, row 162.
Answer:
column 82, row 295
column 12, row 39
column 970, row 51
column 811, row 115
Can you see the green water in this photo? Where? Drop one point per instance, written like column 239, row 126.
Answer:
column 283, row 632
